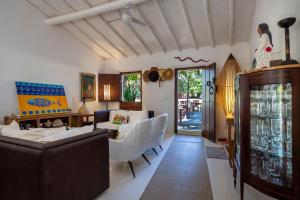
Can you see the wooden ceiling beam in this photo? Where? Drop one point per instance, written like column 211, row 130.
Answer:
column 69, row 29
column 78, row 26
column 151, row 29
column 124, row 40
column 106, row 38
column 93, row 40
column 231, row 21
column 188, row 21
column 139, row 38
column 120, row 36
column 208, row 21
column 136, row 34
column 159, row 9
column 111, row 28
column 79, row 40
column 90, row 12
column 112, row 45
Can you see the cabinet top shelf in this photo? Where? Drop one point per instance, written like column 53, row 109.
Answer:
column 272, row 68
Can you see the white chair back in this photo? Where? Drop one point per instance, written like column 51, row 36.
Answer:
column 159, row 125
column 134, row 144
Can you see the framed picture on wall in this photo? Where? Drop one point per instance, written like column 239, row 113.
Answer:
column 88, row 87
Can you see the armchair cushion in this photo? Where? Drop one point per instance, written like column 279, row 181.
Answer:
column 135, row 116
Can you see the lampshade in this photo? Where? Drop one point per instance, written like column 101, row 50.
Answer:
column 106, row 92
column 226, row 85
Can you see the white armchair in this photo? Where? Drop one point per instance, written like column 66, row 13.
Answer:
column 134, row 143
column 159, row 126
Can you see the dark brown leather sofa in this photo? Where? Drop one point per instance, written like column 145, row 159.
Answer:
column 75, row 168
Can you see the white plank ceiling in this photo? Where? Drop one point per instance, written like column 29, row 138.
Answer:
column 171, row 25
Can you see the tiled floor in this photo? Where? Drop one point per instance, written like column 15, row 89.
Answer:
column 124, row 186
column 221, row 180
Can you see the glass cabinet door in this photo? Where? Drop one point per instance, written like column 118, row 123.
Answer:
column 271, row 133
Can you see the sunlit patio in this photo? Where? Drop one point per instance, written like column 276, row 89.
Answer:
column 189, row 119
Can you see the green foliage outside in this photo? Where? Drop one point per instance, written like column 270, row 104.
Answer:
column 131, row 87
column 190, row 83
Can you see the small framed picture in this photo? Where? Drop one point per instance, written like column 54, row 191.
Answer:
column 88, row 87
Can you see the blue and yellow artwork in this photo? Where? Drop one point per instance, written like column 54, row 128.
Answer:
column 38, row 98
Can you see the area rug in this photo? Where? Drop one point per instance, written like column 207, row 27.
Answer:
column 182, row 174
column 216, row 152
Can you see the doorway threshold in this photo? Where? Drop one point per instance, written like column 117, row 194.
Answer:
column 190, row 132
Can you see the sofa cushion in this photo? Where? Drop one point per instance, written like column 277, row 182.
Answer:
column 3, row 127
column 67, row 133
column 108, row 125
column 112, row 114
column 33, row 134
column 135, row 116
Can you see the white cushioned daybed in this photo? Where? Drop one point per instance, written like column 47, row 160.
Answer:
column 132, row 117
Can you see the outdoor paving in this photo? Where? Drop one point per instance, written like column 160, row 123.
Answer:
column 193, row 123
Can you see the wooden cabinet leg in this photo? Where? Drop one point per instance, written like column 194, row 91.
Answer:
column 234, row 176
column 242, row 191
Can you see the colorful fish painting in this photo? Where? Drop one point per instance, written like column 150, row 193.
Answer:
column 41, row 102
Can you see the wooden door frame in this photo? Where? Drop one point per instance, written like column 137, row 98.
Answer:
column 175, row 96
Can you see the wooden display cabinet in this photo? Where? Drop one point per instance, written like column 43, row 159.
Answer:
column 267, row 131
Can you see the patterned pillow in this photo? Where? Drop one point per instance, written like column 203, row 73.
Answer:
column 120, row 119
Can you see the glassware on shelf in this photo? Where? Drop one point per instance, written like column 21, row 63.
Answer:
column 274, row 169
column 271, row 133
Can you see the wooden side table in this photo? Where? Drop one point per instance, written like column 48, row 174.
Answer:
column 85, row 119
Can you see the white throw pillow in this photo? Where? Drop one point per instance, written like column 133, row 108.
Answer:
column 135, row 116
column 112, row 114
column 14, row 125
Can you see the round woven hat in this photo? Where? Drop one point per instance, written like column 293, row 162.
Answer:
column 153, row 76
column 154, row 69
column 146, row 76
column 161, row 73
column 168, row 74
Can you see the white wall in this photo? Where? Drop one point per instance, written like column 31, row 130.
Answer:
column 162, row 99
column 32, row 51
column 270, row 12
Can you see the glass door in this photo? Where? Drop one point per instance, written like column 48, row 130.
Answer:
column 271, row 133
column 189, row 101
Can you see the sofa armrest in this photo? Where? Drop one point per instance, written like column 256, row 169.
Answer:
column 100, row 116
column 55, row 170
column 80, row 168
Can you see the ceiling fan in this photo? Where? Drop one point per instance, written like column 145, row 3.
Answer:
column 127, row 17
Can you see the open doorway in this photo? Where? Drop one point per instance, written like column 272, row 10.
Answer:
column 189, row 101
